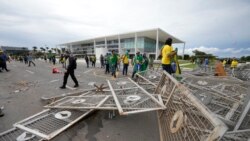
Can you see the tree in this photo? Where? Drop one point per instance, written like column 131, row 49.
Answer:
column 197, row 53
column 247, row 58
column 34, row 48
column 42, row 49
column 243, row 58
column 186, row 57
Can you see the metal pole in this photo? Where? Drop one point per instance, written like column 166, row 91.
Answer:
column 157, row 44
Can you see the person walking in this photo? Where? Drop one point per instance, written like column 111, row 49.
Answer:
column 54, row 59
column 45, row 58
column 106, row 61
column 25, row 59
column 102, row 61
column 29, row 58
column 87, row 60
column 206, row 62
column 3, row 59
column 113, row 63
column 94, row 60
column 167, row 53
column 234, row 64
column 145, row 61
column 137, row 62
column 125, row 61
column 70, row 70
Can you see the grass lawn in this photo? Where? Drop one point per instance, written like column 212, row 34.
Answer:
column 190, row 66
column 183, row 61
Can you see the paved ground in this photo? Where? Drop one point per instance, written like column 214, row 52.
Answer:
column 21, row 90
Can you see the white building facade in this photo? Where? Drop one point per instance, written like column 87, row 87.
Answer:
column 147, row 41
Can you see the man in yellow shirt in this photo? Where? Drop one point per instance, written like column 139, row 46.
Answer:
column 234, row 64
column 125, row 60
column 167, row 53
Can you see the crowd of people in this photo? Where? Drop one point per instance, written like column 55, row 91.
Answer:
column 111, row 62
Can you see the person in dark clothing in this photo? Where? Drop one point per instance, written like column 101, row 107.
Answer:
column 3, row 59
column 54, row 60
column 106, row 61
column 30, row 60
column 87, row 60
column 102, row 61
column 25, row 59
column 71, row 61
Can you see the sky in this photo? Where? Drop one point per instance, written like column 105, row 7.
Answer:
column 220, row 27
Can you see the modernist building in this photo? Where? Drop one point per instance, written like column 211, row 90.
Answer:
column 14, row 50
column 147, row 41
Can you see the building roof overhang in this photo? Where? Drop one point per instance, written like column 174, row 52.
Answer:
column 151, row 33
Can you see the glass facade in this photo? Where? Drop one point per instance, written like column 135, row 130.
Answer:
column 144, row 44
column 149, row 45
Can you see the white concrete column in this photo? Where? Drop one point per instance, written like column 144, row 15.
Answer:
column 119, row 44
column 135, row 45
column 106, row 45
column 70, row 48
column 183, row 51
column 157, row 44
column 94, row 47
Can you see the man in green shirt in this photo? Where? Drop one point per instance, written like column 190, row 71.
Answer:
column 137, row 62
column 145, row 62
column 113, row 63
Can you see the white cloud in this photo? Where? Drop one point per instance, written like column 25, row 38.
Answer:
column 222, row 52
column 213, row 23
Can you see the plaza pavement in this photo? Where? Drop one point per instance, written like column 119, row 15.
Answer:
column 21, row 90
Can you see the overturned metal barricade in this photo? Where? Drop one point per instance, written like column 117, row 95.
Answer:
column 239, row 135
column 49, row 123
column 148, row 79
column 97, row 102
column 226, row 107
column 185, row 118
column 225, row 97
column 243, row 72
column 134, row 99
column 210, row 82
column 16, row 134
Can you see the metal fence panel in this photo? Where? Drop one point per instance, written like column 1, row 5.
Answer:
column 16, row 134
column 49, row 123
column 186, row 117
column 131, row 101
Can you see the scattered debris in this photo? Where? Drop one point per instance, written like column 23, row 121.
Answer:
column 199, row 107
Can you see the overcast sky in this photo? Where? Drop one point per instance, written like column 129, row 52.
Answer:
column 221, row 27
